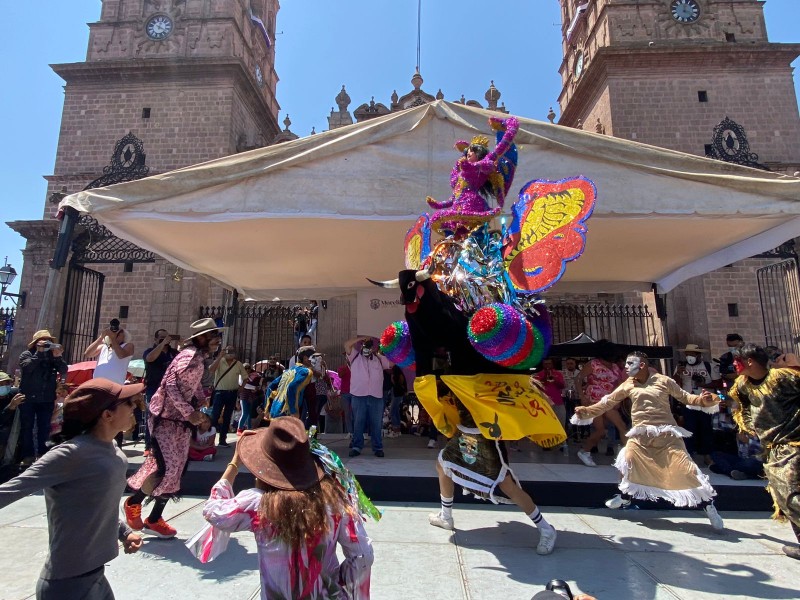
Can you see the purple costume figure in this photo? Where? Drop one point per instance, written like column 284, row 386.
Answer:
column 475, row 178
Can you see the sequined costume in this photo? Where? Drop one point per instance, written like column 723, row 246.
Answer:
column 467, row 207
column 284, row 395
column 654, row 463
column 770, row 409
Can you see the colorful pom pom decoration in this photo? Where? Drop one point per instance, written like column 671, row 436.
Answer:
column 396, row 344
column 505, row 336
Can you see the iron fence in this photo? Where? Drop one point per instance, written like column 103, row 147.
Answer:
column 81, row 318
column 258, row 331
column 779, row 290
column 621, row 323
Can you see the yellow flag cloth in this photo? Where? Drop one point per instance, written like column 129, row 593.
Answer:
column 504, row 407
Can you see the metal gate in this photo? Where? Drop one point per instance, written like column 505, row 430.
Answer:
column 81, row 319
column 623, row 324
column 779, row 289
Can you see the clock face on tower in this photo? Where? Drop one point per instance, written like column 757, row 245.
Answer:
column 158, row 27
column 685, row 11
column 579, row 64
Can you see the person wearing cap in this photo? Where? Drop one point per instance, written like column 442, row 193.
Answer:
column 174, row 408
column 694, row 375
column 41, row 366
column 299, row 516
column 83, row 480
column 10, row 399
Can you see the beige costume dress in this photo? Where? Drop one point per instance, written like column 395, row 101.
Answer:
column 654, row 463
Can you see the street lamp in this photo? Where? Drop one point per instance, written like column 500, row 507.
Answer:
column 7, row 276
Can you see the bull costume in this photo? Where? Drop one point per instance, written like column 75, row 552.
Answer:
column 174, row 408
column 654, row 463
column 769, row 407
column 474, row 295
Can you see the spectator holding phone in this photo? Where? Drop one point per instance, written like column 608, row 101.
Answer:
column 41, row 365
column 113, row 350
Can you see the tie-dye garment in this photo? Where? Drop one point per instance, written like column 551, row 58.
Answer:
column 311, row 572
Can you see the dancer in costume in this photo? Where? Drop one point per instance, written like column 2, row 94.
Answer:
column 285, row 394
column 769, row 407
column 477, row 177
column 654, row 463
column 300, row 510
column 174, row 408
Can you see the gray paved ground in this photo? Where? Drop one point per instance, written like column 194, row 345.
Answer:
column 614, row 555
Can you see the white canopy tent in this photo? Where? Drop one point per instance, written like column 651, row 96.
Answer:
column 314, row 217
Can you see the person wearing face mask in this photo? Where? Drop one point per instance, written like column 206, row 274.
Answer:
column 694, row 375
column 366, row 389
column 10, row 399
column 654, row 463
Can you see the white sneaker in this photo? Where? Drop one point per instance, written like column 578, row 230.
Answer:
column 208, row 458
column 714, row 518
column 618, row 502
column 547, row 540
column 431, row 443
column 438, row 520
column 586, row 458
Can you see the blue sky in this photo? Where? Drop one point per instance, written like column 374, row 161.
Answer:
column 367, row 45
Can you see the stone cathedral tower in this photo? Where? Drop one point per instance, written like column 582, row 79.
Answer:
column 193, row 80
column 701, row 77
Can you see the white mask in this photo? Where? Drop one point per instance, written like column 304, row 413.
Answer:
column 633, row 364
column 691, row 360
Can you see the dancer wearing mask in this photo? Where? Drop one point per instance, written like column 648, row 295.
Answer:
column 654, row 464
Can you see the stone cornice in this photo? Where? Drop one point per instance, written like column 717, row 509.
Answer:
column 41, row 229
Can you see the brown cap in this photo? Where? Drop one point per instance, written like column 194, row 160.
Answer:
column 280, row 455
column 88, row 401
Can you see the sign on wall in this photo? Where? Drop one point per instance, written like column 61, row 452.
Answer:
column 376, row 309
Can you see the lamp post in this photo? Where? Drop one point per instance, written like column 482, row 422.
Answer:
column 7, row 276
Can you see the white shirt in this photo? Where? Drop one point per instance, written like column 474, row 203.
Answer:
column 110, row 366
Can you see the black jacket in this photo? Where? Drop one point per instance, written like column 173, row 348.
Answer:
column 39, row 375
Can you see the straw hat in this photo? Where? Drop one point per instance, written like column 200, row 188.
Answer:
column 5, row 376
column 280, row 455
column 693, row 348
column 202, row 326
column 42, row 334
column 90, row 399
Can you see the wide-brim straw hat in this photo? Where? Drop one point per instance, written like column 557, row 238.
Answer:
column 42, row 334
column 202, row 326
column 693, row 348
column 280, row 455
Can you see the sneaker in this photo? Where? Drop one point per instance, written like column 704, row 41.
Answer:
column 792, row 551
column 146, row 453
column 208, row 458
column 739, row 475
column 353, row 452
column 160, row 529
column 714, row 518
column 239, row 431
column 547, row 540
column 586, row 458
column 133, row 515
column 431, row 444
column 438, row 520
column 618, row 502
column 379, row 453
column 224, row 444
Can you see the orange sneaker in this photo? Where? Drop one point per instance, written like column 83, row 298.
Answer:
column 160, row 529
column 133, row 515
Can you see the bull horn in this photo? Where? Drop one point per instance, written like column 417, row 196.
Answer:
column 422, row 275
column 392, row 283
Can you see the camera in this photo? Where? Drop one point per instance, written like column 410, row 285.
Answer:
column 114, row 325
column 50, row 346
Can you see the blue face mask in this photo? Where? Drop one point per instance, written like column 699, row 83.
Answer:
column 5, row 390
